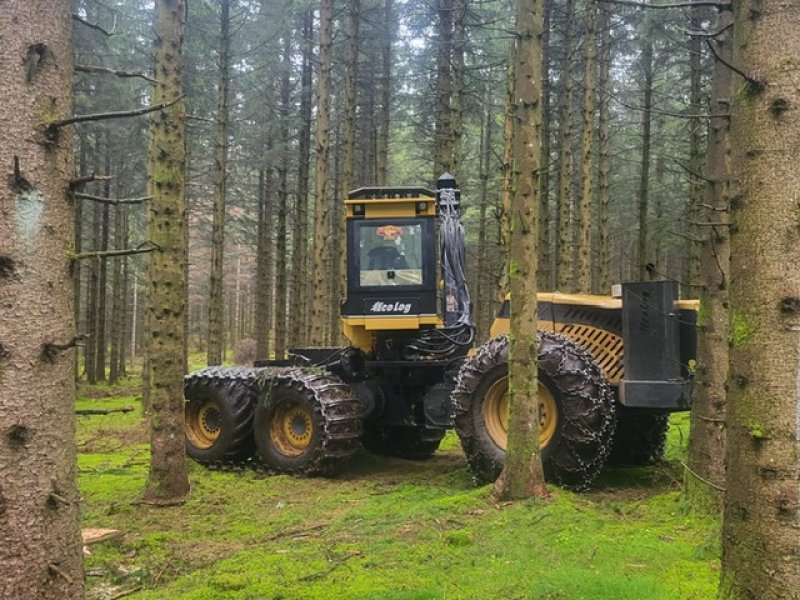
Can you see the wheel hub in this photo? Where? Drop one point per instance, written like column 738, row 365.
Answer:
column 202, row 424
column 292, row 429
column 496, row 407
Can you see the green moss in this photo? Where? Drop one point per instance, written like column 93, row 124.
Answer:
column 756, row 430
column 742, row 330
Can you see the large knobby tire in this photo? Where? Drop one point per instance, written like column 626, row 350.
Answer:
column 577, row 415
column 219, row 413
column 639, row 439
column 410, row 443
column 306, row 423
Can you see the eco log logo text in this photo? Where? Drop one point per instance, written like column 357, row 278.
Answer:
column 383, row 307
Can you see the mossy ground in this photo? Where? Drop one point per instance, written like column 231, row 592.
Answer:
column 385, row 529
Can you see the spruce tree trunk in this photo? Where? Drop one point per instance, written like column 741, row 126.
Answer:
column 387, row 38
column 41, row 549
column 262, row 289
column 584, row 283
column 545, row 266
column 507, row 192
column 125, row 334
column 442, row 151
column 321, row 300
column 117, row 322
column 298, row 321
column 523, row 475
column 761, row 526
column 339, row 255
column 92, row 285
column 483, row 301
column 216, row 299
column 564, row 247
column 283, row 201
column 102, row 274
column 76, row 268
column 695, row 154
column 707, row 433
column 642, row 257
column 457, row 86
column 168, row 480
column 603, row 280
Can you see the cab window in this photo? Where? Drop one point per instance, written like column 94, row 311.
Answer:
column 390, row 254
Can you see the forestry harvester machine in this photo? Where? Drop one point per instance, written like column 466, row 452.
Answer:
column 409, row 372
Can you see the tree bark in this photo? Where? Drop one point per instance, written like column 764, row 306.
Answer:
column 168, row 480
column 321, row 301
column 760, row 541
column 387, row 38
column 545, row 267
column 695, row 153
column 283, row 202
column 41, row 550
column 117, row 317
column 263, row 288
column 707, row 433
column 444, row 49
column 603, row 281
column 584, row 283
column 507, row 192
column 339, row 255
column 644, row 172
column 457, row 86
column 482, row 299
column 523, row 475
column 298, row 321
column 102, row 273
column 216, row 302
column 564, row 227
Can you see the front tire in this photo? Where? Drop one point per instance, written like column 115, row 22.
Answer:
column 576, row 411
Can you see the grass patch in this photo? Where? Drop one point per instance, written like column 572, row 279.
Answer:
column 385, row 529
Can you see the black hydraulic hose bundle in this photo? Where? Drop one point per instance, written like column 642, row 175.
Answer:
column 459, row 330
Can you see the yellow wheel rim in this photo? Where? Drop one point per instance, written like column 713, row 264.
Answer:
column 291, row 429
column 495, row 413
column 202, row 424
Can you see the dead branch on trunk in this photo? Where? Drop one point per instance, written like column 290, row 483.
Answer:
column 112, row 201
column 690, row 4
column 52, row 128
column 95, row 26
column 84, row 179
column 117, row 72
column 142, row 248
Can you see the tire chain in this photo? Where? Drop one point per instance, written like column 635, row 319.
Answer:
column 261, row 380
column 579, row 475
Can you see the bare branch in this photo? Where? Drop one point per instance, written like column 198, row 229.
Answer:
column 119, row 114
column 692, row 173
column 754, row 84
column 669, row 5
column 103, row 411
column 117, row 72
column 96, row 27
column 706, row 223
column 112, row 201
column 84, row 179
column 708, row 34
column 706, row 481
column 142, row 248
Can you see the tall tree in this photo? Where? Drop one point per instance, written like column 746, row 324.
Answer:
column 457, row 84
column 545, row 271
column 216, row 300
column 507, row 190
column 603, row 279
column 564, row 215
column 283, row 201
column 706, row 458
column 298, row 322
column 41, row 549
column 584, row 283
column 168, row 479
column 644, row 170
column 321, row 303
column 760, row 541
column 523, row 475
column 389, row 27
column 442, row 152
column 102, row 274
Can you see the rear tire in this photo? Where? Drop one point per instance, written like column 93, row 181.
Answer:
column 219, row 413
column 579, row 415
column 306, row 424
column 639, row 440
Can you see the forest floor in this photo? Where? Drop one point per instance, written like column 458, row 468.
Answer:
column 384, row 529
